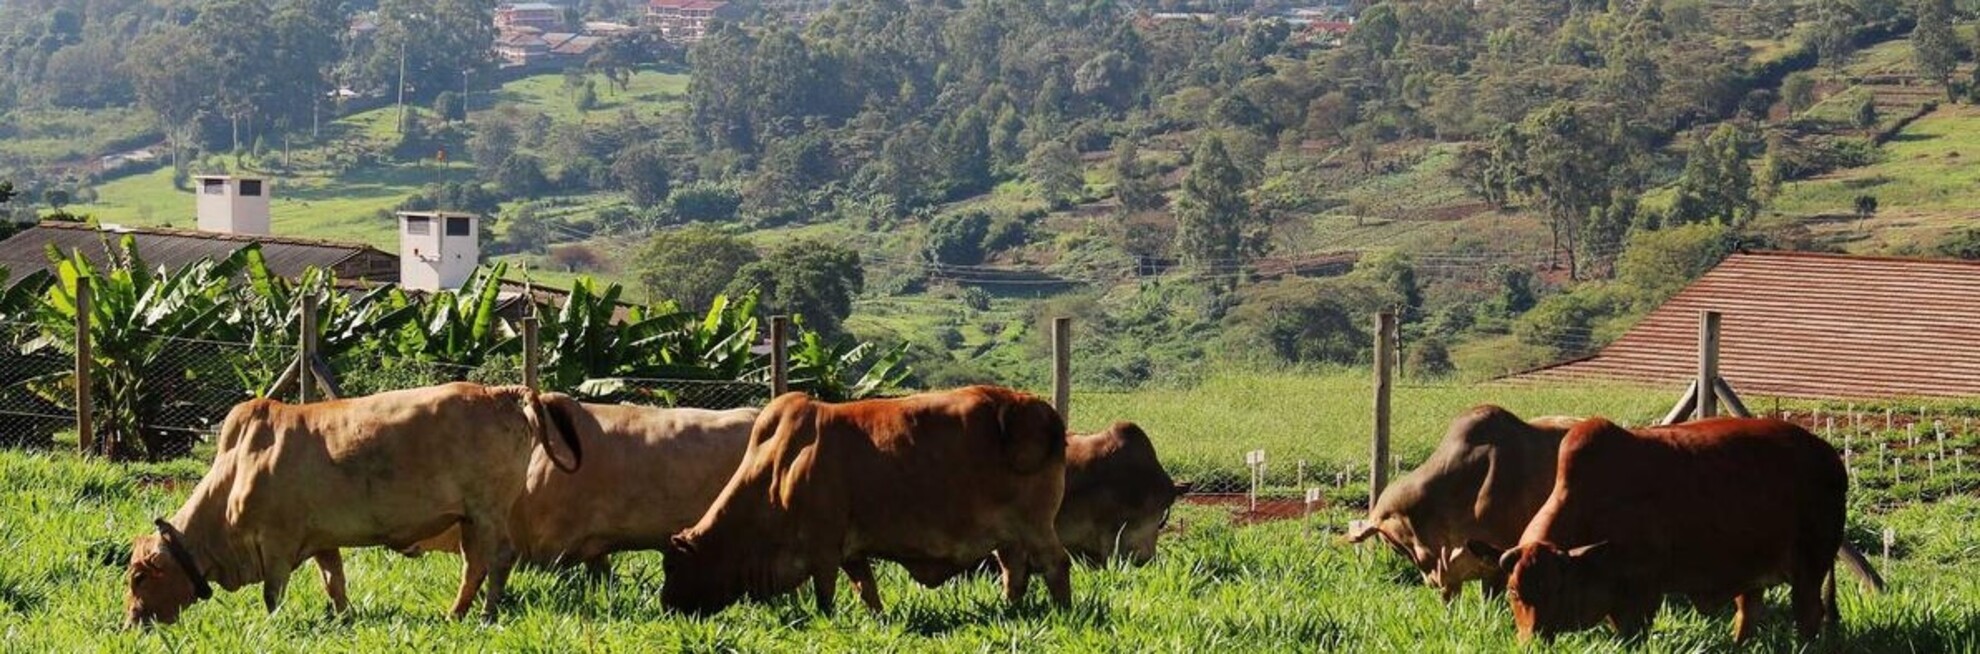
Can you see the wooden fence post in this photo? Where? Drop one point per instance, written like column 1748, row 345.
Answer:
column 532, row 375
column 1062, row 367
column 780, row 356
column 1378, row 469
column 306, row 351
column 1708, row 364
column 85, row 402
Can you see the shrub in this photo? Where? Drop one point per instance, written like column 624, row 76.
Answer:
column 1429, row 357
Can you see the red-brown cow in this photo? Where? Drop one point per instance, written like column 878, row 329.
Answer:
column 933, row 481
column 1117, row 496
column 1717, row 510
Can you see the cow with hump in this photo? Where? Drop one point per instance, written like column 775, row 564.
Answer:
column 1483, row 483
column 1718, row 510
column 291, row 483
column 1117, row 496
column 650, row 473
column 933, row 481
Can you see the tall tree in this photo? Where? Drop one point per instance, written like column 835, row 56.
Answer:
column 1216, row 229
column 811, row 279
column 1717, row 184
column 1572, row 160
column 1054, row 167
column 1135, row 185
column 1934, row 45
column 692, row 265
column 641, row 171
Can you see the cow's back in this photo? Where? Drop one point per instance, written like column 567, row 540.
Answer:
column 649, row 473
column 1699, row 507
column 1484, row 481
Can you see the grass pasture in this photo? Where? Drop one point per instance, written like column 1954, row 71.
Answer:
column 1924, row 185
column 1281, row 586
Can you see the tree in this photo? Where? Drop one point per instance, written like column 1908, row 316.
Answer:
column 957, row 237
column 1135, row 186
column 1798, row 91
column 1570, row 159
column 522, row 176
column 1716, row 183
column 1216, row 228
column 1866, row 206
column 810, row 279
column 587, row 96
column 1054, row 167
column 1964, row 244
column 1330, row 115
column 1658, row 264
column 449, row 106
column 1933, row 43
column 641, row 171
column 1866, row 112
column 432, row 41
column 1515, row 289
column 692, row 265
column 965, row 144
column 1835, row 33
column 704, row 201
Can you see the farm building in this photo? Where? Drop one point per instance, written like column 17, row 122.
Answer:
column 1806, row 325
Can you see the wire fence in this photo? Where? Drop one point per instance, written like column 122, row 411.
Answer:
column 35, row 401
column 679, row 393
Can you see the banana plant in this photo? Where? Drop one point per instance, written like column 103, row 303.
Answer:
column 18, row 301
column 150, row 336
column 586, row 342
column 463, row 328
column 842, row 369
column 268, row 306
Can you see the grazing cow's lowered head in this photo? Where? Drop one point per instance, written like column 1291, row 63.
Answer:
column 1117, row 496
column 1553, row 590
column 160, row 585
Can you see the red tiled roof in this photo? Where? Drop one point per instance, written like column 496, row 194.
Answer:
column 1812, row 326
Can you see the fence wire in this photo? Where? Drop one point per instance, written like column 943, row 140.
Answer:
column 37, row 396
column 689, row 393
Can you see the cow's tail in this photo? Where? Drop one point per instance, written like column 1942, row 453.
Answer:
column 1860, row 566
column 558, row 409
column 1034, row 433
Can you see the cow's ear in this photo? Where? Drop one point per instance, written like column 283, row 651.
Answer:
column 1360, row 530
column 678, row 544
column 1590, row 553
column 1489, row 554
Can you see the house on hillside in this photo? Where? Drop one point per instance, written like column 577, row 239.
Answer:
column 687, row 21
column 1808, row 325
column 541, row 16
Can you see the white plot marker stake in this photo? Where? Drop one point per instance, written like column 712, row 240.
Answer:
column 1312, row 499
column 1255, row 460
column 1890, row 538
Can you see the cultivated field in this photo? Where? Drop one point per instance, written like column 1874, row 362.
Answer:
column 1291, row 585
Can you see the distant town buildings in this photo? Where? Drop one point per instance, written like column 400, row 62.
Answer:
column 541, row 16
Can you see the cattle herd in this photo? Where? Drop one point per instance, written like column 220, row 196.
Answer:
column 1577, row 522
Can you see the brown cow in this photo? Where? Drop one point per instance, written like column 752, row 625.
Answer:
column 296, row 482
column 1485, row 480
column 1717, row 509
column 652, row 472
column 1117, row 496
column 933, row 481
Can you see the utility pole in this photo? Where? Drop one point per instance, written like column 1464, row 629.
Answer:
column 403, row 36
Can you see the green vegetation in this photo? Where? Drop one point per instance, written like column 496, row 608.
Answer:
column 1290, row 585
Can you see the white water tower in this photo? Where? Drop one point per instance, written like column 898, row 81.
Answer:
column 437, row 250
column 232, row 205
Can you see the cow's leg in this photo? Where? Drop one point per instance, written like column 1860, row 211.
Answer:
column 860, row 572
column 825, row 586
column 1016, row 565
column 1809, row 608
column 275, row 583
column 1050, row 557
column 330, row 564
column 598, row 569
column 498, row 578
column 1632, row 615
column 1749, row 605
column 478, row 552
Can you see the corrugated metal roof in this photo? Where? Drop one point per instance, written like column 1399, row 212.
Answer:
column 1812, row 326
column 172, row 248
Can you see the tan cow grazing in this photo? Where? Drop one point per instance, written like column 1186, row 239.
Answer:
column 1117, row 496
column 650, row 473
column 1718, row 510
column 933, row 481
column 1483, row 483
column 296, row 482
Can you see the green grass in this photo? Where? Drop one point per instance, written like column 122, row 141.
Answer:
column 650, row 92
column 47, row 136
column 1285, row 586
column 1924, row 186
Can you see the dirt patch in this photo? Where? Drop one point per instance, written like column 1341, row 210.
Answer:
column 1242, row 512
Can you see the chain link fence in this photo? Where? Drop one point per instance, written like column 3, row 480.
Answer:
column 37, row 397
column 684, row 393
column 169, row 400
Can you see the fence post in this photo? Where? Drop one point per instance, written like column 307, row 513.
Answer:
column 306, row 352
column 780, row 356
column 85, row 402
column 1378, row 469
column 531, row 357
column 1708, row 364
column 1062, row 367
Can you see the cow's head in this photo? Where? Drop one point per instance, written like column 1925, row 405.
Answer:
column 1554, row 590
column 1136, row 528
column 695, row 583
column 160, row 585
